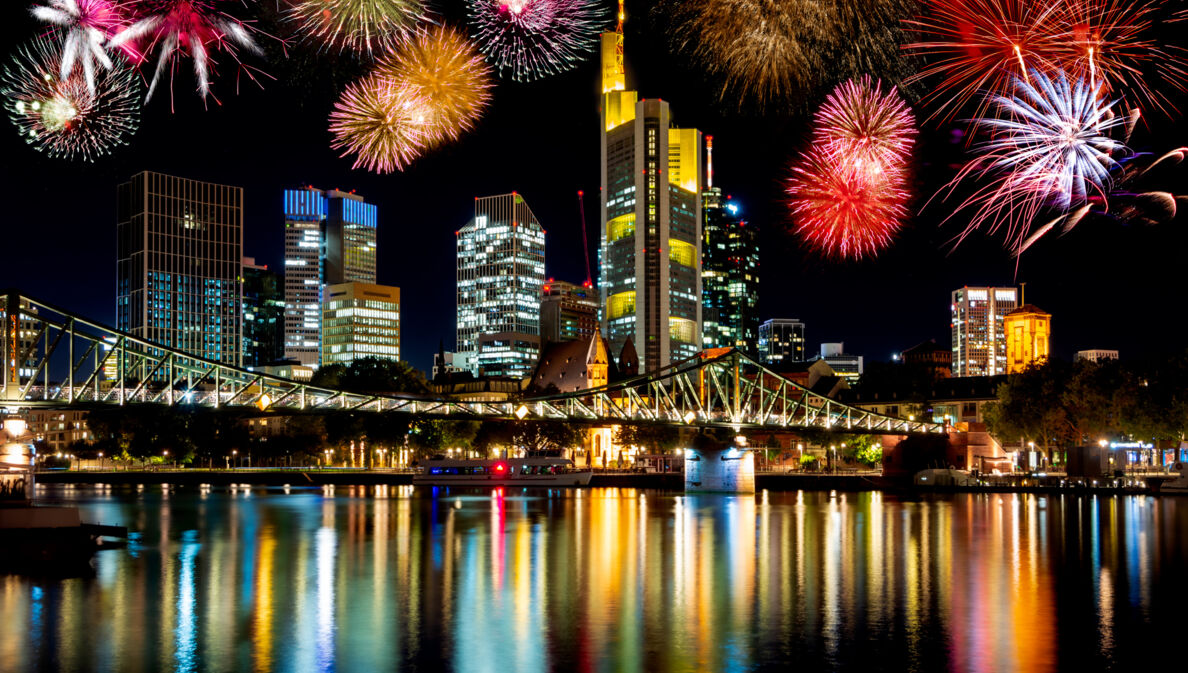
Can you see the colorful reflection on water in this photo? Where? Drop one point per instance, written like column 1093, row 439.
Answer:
column 388, row 578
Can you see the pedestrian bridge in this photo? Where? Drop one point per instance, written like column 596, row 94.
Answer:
column 56, row 359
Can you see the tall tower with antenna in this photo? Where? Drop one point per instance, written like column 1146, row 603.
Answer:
column 650, row 252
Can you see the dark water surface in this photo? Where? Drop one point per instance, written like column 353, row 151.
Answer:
column 391, row 579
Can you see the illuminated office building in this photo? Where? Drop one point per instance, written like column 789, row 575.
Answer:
column 1028, row 332
column 500, row 274
column 330, row 238
column 729, row 273
column 360, row 320
column 781, row 340
column 179, row 264
column 650, row 256
column 979, row 340
column 568, row 312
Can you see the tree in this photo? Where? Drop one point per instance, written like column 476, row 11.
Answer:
column 1029, row 408
column 654, row 438
column 543, row 436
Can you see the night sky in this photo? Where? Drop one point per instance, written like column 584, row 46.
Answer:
column 1107, row 285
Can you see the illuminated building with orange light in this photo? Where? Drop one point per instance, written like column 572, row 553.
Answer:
column 1028, row 332
column 650, row 256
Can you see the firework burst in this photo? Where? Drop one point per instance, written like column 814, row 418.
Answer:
column 774, row 51
column 88, row 24
column 181, row 28
column 445, row 70
column 978, row 46
column 358, row 25
column 862, row 124
column 536, row 38
column 842, row 211
column 381, row 122
column 62, row 116
column 1050, row 146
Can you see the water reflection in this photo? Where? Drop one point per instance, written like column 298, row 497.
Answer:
column 388, row 578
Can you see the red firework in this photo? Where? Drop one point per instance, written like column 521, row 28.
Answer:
column 843, row 212
column 975, row 47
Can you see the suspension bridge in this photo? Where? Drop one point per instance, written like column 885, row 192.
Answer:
column 56, row 359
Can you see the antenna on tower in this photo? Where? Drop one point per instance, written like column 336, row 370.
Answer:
column 709, row 162
column 622, row 15
column 585, row 243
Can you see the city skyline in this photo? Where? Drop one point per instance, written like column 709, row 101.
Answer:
column 889, row 303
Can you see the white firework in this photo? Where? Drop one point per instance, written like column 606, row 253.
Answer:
column 88, row 24
column 1053, row 138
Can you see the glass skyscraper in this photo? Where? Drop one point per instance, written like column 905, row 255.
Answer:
column 263, row 314
column 360, row 320
column 729, row 276
column 330, row 238
column 179, row 264
column 501, row 273
column 650, row 256
column 979, row 340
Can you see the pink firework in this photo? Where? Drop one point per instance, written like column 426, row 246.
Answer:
column 843, row 212
column 866, row 127
column 88, row 25
column 186, row 28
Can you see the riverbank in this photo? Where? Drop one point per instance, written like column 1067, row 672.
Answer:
column 672, row 481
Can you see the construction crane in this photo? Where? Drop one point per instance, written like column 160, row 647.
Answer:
column 585, row 242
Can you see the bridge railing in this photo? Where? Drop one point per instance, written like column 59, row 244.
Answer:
column 54, row 358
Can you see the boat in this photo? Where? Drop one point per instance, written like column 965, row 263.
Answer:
column 531, row 471
column 1179, row 485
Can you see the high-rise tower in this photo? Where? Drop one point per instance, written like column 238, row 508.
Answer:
column 729, row 271
column 501, row 272
column 330, row 238
column 180, row 265
column 650, row 255
column 979, row 339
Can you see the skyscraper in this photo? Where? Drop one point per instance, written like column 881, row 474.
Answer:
column 568, row 312
column 650, row 255
column 729, row 271
column 360, row 320
column 979, row 341
column 179, row 246
column 263, row 314
column 781, row 340
column 330, row 238
column 501, row 260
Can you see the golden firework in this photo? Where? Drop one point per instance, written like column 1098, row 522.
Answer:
column 448, row 73
column 381, row 123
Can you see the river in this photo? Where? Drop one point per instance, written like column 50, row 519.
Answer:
column 396, row 579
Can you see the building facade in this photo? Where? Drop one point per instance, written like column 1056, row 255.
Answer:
column 179, row 264
column 1028, row 333
column 330, row 238
column 847, row 365
column 979, row 338
column 500, row 273
column 781, row 340
column 360, row 320
column 1096, row 355
column 729, row 275
column 263, row 314
column 568, row 312
column 650, row 252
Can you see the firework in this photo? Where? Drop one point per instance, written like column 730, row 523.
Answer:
column 774, row 51
column 979, row 46
column 443, row 69
column 382, row 123
column 536, row 38
column 88, row 24
column 1050, row 147
column 358, row 25
column 861, row 124
column 61, row 116
column 179, row 28
column 844, row 212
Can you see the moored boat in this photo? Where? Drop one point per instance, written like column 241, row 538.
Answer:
column 1179, row 485
column 532, row 471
